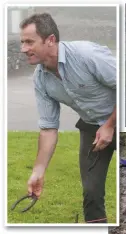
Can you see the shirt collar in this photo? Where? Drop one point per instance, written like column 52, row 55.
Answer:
column 61, row 53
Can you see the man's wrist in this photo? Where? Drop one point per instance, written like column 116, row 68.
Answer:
column 39, row 170
column 110, row 124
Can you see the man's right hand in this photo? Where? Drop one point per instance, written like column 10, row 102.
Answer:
column 35, row 184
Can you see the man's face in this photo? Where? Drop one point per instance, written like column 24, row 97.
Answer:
column 33, row 45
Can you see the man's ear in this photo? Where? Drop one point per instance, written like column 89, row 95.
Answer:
column 51, row 40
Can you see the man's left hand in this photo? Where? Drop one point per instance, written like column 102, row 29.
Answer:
column 104, row 137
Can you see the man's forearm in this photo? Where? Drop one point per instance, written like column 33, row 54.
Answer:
column 111, row 122
column 46, row 146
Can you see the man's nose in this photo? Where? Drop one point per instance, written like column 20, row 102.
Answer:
column 24, row 48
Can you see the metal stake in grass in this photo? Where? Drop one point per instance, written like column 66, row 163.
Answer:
column 76, row 218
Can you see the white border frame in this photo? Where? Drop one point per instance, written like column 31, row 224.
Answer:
column 118, row 117
column 123, row 74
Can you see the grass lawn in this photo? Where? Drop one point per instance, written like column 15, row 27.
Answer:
column 61, row 199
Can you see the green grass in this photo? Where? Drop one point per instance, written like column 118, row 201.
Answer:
column 61, row 199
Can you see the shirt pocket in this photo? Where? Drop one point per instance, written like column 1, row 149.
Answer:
column 85, row 90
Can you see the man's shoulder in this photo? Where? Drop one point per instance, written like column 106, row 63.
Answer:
column 84, row 48
column 87, row 49
column 76, row 44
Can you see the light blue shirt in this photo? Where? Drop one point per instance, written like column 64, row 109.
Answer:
column 88, row 85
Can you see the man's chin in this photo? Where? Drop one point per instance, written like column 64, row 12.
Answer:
column 33, row 62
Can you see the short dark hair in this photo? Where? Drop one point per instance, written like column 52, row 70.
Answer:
column 45, row 25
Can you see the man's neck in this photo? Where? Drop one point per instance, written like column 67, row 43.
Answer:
column 52, row 61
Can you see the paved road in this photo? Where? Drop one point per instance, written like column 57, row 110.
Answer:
column 22, row 111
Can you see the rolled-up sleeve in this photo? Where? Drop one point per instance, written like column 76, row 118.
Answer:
column 48, row 108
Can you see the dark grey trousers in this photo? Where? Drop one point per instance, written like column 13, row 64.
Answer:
column 93, row 170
